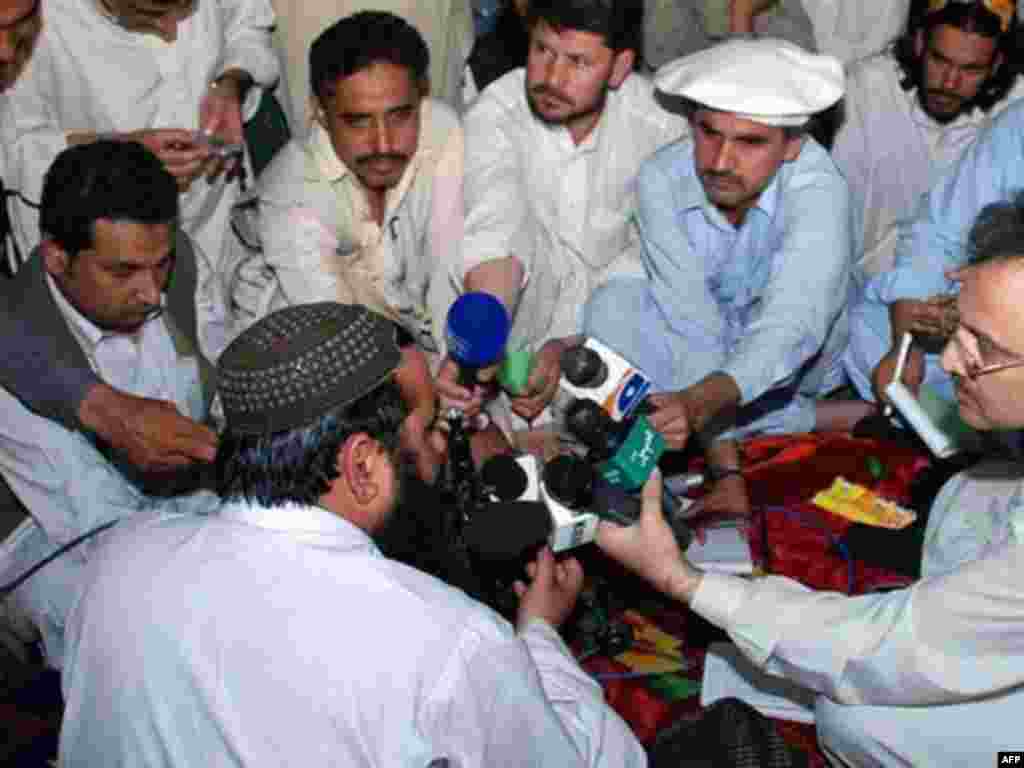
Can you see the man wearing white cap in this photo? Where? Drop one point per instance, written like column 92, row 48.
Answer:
column 746, row 243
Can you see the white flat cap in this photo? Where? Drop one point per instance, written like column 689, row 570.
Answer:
column 767, row 80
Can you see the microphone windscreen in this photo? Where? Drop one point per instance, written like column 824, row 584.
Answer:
column 503, row 476
column 589, row 423
column 476, row 329
column 507, row 531
column 570, row 480
column 583, row 367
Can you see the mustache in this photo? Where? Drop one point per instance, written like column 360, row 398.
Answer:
column 545, row 90
column 396, row 157
column 721, row 175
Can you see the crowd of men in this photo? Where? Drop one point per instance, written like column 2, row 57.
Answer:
column 689, row 218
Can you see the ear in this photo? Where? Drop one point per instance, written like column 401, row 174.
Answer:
column 622, row 65
column 317, row 111
column 792, row 149
column 357, row 464
column 55, row 258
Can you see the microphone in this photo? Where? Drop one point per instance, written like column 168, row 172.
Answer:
column 625, row 451
column 594, row 372
column 508, row 533
column 476, row 330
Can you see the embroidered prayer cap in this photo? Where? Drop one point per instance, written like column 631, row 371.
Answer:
column 290, row 368
column 767, row 80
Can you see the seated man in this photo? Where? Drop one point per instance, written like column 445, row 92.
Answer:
column 928, row 675
column 299, row 642
column 109, row 214
column 912, row 110
column 746, row 242
column 367, row 209
column 552, row 153
column 915, row 295
column 169, row 70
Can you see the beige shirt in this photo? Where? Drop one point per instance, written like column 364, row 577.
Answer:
column 446, row 26
column 320, row 242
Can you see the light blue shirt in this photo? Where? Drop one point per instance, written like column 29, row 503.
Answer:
column 756, row 302
column 990, row 171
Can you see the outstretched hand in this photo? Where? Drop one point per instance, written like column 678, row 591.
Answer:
column 648, row 547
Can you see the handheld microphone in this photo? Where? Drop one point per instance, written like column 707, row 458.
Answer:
column 625, row 452
column 476, row 330
column 938, row 441
column 595, row 372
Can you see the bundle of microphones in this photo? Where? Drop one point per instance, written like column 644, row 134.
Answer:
column 521, row 504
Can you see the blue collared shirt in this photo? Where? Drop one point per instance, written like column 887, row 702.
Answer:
column 756, row 302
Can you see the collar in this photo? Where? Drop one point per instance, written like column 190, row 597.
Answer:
column 306, row 521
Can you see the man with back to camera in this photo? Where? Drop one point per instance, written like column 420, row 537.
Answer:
column 98, row 284
column 275, row 630
column 927, row 675
column 911, row 110
column 552, row 153
column 746, row 244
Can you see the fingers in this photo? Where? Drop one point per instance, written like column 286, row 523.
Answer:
column 197, row 442
column 650, row 497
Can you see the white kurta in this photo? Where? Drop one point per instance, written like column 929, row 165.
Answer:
column 891, row 153
column 89, row 75
column 281, row 636
column 321, row 243
column 567, row 212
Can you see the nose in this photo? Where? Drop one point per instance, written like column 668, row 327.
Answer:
column 382, row 141
column 952, row 358
column 951, row 77
column 724, row 157
column 149, row 288
column 556, row 72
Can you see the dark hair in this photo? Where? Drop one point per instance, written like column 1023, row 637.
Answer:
column 970, row 17
column 115, row 180
column 355, row 42
column 998, row 231
column 299, row 465
column 619, row 22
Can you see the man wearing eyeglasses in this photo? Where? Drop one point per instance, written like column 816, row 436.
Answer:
column 176, row 75
column 100, row 279
column 930, row 675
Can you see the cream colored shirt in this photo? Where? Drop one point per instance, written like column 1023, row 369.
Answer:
column 565, row 211
column 320, row 242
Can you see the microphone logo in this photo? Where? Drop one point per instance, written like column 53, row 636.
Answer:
column 648, row 452
column 632, row 390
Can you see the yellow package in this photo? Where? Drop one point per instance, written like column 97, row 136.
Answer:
column 862, row 505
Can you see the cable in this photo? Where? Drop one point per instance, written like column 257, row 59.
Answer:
column 6, row 589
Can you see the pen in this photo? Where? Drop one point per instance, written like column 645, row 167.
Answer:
column 901, row 361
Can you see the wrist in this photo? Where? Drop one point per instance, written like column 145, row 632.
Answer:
column 234, row 81
column 683, row 582
column 96, row 407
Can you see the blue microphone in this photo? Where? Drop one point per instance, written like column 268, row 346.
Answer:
column 476, row 331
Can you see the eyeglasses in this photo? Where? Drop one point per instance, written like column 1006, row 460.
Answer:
column 973, row 349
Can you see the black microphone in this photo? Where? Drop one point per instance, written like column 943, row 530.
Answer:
column 508, row 533
column 583, row 367
column 626, row 451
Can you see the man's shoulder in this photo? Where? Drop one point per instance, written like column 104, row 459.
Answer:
column 878, row 69
column 635, row 108
column 287, row 171
column 671, row 163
